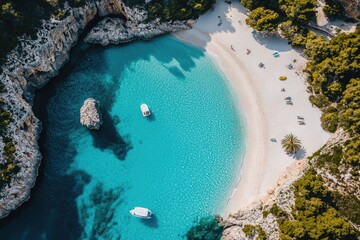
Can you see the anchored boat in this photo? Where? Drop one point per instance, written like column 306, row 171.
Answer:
column 141, row 212
column 145, row 110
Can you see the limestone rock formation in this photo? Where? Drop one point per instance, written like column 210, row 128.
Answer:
column 30, row 66
column 90, row 115
column 352, row 8
column 114, row 7
column 282, row 195
column 117, row 30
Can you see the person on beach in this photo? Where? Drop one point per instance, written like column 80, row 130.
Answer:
column 232, row 48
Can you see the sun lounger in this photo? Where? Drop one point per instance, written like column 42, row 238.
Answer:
column 276, row 54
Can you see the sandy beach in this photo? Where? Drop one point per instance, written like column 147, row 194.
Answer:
column 258, row 94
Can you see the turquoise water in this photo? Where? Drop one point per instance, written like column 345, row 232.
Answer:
column 181, row 162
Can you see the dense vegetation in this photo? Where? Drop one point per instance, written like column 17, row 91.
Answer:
column 268, row 15
column 333, row 73
column 333, row 67
column 251, row 230
column 314, row 215
column 24, row 17
column 263, row 19
column 8, row 167
column 175, row 9
column 206, row 228
column 333, row 9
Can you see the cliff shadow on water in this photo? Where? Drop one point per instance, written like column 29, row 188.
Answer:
column 52, row 210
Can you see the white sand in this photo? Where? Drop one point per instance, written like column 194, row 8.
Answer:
column 259, row 97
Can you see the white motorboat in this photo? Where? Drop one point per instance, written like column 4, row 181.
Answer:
column 141, row 212
column 145, row 110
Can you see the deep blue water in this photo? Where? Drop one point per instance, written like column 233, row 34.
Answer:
column 181, row 162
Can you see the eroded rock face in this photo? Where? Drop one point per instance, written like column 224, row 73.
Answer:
column 116, row 30
column 352, row 8
column 116, row 7
column 90, row 115
column 31, row 65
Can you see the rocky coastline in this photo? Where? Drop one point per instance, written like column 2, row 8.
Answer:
column 281, row 195
column 259, row 213
column 117, row 30
column 34, row 62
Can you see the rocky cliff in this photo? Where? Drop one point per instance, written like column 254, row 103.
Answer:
column 352, row 8
column 31, row 65
column 259, row 214
column 282, row 195
column 117, row 30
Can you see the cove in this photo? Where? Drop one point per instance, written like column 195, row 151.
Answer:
column 181, row 162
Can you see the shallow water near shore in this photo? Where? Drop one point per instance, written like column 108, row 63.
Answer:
column 181, row 162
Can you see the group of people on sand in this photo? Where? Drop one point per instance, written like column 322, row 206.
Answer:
column 248, row 51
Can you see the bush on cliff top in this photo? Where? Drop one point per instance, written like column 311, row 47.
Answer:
column 314, row 215
column 178, row 9
column 7, row 167
column 24, row 17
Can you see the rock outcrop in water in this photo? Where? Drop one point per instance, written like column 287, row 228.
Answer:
column 30, row 66
column 90, row 115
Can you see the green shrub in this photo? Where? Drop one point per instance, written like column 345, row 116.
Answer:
column 330, row 119
column 261, row 233
column 249, row 230
column 331, row 160
column 333, row 9
column 299, row 11
column 314, row 216
column 177, row 9
column 352, row 150
column 263, row 19
column 348, row 206
column 319, row 101
column 350, row 106
column 277, row 211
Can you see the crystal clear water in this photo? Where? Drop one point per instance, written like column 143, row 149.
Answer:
column 181, row 162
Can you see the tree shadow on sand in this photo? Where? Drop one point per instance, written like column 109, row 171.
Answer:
column 272, row 42
column 299, row 154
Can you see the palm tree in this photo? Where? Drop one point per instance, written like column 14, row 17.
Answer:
column 291, row 144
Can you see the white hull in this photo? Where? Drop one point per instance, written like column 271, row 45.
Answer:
column 145, row 110
column 141, row 212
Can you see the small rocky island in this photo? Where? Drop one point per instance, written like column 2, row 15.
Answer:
column 90, row 115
